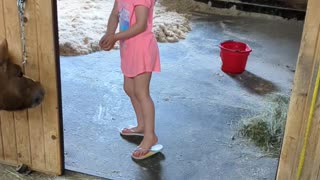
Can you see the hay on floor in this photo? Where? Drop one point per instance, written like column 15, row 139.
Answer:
column 266, row 129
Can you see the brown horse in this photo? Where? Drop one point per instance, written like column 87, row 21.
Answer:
column 17, row 92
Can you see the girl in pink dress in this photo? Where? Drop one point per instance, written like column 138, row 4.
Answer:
column 139, row 58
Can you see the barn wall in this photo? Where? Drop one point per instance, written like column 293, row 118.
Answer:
column 32, row 137
column 298, row 3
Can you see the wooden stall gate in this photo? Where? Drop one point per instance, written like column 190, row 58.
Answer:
column 300, row 156
column 33, row 137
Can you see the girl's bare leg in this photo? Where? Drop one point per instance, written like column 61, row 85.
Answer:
column 128, row 87
column 141, row 91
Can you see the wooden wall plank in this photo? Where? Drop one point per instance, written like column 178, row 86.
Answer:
column 48, row 77
column 32, row 71
column 20, row 117
column 2, row 36
column 9, row 137
column 1, row 144
column 12, row 30
column 7, row 119
column 2, row 23
column 312, row 162
column 23, row 138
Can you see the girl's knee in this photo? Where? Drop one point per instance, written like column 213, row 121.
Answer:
column 128, row 90
column 141, row 95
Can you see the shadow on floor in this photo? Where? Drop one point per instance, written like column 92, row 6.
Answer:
column 133, row 139
column 254, row 83
column 152, row 165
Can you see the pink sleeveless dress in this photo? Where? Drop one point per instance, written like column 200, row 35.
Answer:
column 140, row 53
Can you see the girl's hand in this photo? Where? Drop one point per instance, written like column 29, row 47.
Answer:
column 101, row 42
column 107, row 42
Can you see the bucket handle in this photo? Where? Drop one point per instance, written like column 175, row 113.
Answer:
column 230, row 40
column 224, row 42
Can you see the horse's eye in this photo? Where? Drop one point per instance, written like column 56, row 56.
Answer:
column 20, row 74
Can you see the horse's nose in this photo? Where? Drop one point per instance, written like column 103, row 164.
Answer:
column 37, row 96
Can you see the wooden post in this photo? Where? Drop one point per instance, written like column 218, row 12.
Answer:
column 299, row 109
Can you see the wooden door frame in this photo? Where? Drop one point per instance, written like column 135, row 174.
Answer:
column 58, row 72
column 57, row 55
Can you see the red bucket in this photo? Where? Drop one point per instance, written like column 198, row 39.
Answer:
column 234, row 56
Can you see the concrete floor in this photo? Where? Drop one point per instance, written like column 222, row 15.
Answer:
column 197, row 105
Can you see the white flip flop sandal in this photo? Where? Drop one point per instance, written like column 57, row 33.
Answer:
column 152, row 151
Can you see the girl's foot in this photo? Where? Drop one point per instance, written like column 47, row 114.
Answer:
column 145, row 146
column 133, row 131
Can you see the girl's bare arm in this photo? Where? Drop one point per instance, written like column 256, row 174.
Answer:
column 113, row 19
column 140, row 26
column 112, row 26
